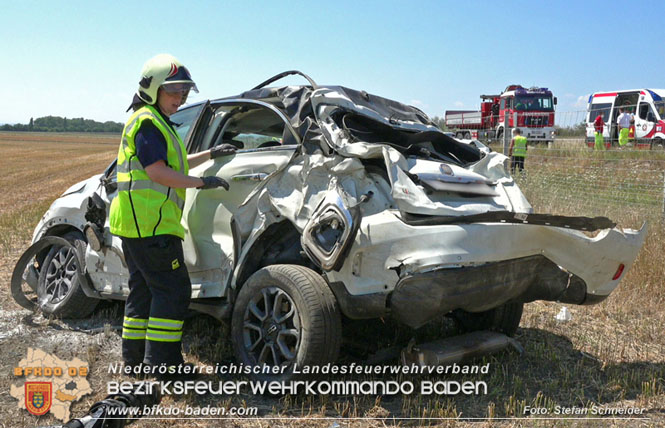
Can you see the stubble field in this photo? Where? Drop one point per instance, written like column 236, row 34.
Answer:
column 610, row 355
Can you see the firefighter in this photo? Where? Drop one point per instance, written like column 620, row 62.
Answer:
column 517, row 151
column 152, row 176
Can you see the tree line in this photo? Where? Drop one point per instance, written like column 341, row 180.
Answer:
column 62, row 124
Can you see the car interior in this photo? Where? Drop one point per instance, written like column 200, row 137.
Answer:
column 247, row 127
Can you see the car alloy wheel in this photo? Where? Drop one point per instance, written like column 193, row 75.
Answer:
column 60, row 274
column 59, row 289
column 285, row 316
column 271, row 328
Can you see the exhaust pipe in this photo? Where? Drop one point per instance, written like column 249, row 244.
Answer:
column 458, row 348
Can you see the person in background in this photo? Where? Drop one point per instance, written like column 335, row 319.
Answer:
column 152, row 173
column 624, row 126
column 598, row 125
column 631, row 129
column 517, row 150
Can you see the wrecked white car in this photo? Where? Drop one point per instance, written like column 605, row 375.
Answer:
column 342, row 203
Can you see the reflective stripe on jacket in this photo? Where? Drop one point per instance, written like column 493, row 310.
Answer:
column 143, row 207
column 520, row 146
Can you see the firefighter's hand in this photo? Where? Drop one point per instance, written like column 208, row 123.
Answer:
column 213, row 182
column 222, row 150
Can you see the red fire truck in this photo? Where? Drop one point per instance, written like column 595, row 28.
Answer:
column 531, row 110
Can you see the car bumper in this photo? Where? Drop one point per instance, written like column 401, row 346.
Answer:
column 481, row 288
column 479, row 266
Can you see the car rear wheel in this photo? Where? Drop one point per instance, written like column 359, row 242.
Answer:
column 285, row 315
column 503, row 319
column 59, row 289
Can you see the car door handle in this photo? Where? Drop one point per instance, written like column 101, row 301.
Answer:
column 259, row 176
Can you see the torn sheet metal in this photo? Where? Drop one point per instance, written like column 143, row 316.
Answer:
column 295, row 191
column 408, row 228
column 579, row 223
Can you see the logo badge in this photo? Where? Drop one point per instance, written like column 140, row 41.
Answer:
column 38, row 397
column 173, row 71
column 175, row 264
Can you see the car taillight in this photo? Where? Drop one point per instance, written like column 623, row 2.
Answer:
column 618, row 272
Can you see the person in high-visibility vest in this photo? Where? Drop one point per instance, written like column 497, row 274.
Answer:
column 152, row 175
column 624, row 126
column 517, row 150
column 598, row 125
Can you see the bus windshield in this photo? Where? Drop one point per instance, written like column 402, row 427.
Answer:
column 533, row 103
column 660, row 108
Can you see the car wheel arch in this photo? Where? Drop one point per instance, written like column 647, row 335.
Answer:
column 76, row 301
column 59, row 230
column 264, row 250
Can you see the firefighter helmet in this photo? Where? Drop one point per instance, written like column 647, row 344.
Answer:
column 163, row 70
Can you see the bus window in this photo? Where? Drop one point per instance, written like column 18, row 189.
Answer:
column 603, row 109
column 660, row 108
column 646, row 113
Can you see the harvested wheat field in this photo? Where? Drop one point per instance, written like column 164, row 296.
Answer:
column 608, row 357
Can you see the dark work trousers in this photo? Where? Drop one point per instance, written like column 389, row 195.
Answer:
column 159, row 294
column 517, row 162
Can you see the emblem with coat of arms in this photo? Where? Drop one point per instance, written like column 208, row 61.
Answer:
column 38, row 397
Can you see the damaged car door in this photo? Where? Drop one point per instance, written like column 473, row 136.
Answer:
column 259, row 131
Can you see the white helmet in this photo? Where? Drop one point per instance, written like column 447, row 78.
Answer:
column 164, row 71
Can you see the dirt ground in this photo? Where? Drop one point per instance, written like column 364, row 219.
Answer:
column 610, row 355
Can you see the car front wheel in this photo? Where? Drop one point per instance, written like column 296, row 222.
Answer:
column 59, row 289
column 285, row 315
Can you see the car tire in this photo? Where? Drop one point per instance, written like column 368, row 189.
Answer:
column 59, row 289
column 503, row 319
column 306, row 330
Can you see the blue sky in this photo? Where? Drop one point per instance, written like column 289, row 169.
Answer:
column 83, row 58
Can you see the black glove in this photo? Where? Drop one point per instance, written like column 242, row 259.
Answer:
column 213, row 182
column 222, row 150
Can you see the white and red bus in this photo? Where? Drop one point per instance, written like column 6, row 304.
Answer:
column 647, row 107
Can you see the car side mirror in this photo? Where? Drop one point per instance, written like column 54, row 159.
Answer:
column 110, row 184
column 650, row 117
column 555, row 100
